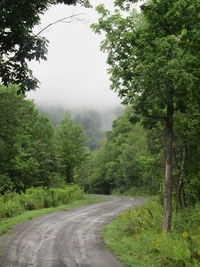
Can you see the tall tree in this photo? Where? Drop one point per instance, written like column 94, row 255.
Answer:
column 153, row 65
column 70, row 140
column 124, row 161
column 18, row 43
column 28, row 155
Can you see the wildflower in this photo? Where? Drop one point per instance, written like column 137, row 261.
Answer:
column 185, row 234
column 157, row 242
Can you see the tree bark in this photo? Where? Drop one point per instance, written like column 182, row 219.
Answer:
column 168, row 184
column 68, row 178
column 181, row 189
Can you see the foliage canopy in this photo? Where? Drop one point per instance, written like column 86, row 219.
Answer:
column 18, row 43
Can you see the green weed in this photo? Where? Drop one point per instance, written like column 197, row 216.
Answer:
column 137, row 239
column 12, row 204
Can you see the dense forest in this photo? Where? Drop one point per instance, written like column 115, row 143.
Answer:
column 132, row 157
column 153, row 146
column 33, row 151
column 40, row 150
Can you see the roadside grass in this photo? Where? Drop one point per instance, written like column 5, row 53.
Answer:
column 137, row 239
column 12, row 204
column 134, row 192
column 17, row 208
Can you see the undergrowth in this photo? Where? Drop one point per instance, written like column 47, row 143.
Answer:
column 137, row 239
column 12, row 204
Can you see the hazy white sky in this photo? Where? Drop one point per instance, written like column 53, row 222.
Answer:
column 75, row 73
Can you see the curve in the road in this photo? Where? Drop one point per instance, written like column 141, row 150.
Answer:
column 65, row 239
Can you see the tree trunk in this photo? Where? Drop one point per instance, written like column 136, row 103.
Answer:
column 69, row 175
column 168, row 184
column 181, row 189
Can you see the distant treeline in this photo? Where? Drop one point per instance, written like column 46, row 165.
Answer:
column 95, row 121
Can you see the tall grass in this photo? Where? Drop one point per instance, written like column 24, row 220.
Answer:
column 137, row 239
column 12, row 204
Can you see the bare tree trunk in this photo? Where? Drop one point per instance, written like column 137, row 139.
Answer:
column 168, row 185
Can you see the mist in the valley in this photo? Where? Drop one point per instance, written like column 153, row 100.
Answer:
column 75, row 74
column 74, row 78
column 102, row 118
column 95, row 122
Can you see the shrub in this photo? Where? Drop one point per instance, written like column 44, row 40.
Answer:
column 12, row 204
column 6, row 184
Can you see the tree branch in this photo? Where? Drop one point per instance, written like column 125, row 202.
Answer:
column 156, row 117
column 64, row 20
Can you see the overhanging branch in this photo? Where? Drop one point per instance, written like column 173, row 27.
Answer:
column 68, row 19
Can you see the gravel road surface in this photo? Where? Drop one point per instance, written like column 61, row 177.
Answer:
column 64, row 239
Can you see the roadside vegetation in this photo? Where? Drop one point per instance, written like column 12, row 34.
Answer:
column 136, row 237
column 16, row 208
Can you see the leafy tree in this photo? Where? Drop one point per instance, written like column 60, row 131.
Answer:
column 10, row 122
column 18, row 43
column 37, row 160
column 28, row 156
column 70, row 140
column 94, row 179
column 186, row 158
column 154, row 65
column 124, row 161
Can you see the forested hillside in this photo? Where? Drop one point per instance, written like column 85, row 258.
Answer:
column 94, row 121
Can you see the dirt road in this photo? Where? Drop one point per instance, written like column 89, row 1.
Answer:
column 64, row 239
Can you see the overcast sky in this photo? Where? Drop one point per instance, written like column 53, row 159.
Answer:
column 75, row 73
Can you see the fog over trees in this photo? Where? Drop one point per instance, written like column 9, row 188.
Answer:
column 96, row 122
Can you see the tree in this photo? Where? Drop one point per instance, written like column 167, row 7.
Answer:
column 18, row 43
column 70, row 141
column 28, row 156
column 10, row 106
column 91, row 121
column 36, row 162
column 124, row 162
column 187, row 157
column 153, row 65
